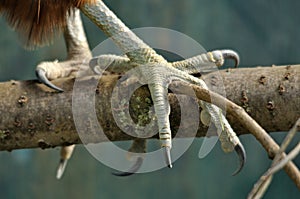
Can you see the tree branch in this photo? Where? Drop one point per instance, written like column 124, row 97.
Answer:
column 244, row 119
column 263, row 183
column 35, row 116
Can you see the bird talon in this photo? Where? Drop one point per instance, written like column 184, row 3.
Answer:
column 65, row 155
column 61, row 168
column 168, row 156
column 135, row 167
column 41, row 75
column 94, row 65
column 242, row 157
column 230, row 54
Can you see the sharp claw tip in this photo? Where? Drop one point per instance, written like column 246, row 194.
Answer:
column 41, row 75
column 136, row 166
column 242, row 157
column 122, row 174
column 168, row 157
column 61, row 168
column 93, row 62
column 232, row 55
column 237, row 63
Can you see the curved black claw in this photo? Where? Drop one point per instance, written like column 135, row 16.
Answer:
column 242, row 157
column 135, row 167
column 168, row 156
column 93, row 63
column 230, row 54
column 41, row 75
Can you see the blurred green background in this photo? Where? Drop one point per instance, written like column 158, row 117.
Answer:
column 263, row 32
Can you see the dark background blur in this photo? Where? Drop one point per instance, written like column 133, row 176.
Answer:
column 263, row 32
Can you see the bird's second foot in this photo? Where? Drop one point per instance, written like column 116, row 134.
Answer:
column 47, row 71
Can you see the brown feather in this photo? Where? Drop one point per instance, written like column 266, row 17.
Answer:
column 38, row 21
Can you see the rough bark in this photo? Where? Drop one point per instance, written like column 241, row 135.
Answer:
column 35, row 116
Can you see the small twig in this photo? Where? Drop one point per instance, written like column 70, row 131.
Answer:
column 263, row 183
column 250, row 124
column 287, row 140
column 280, row 164
column 261, row 186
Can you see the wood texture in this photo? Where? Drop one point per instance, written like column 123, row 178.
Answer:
column 35, row 116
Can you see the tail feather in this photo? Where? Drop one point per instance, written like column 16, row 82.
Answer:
column 38, row 21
